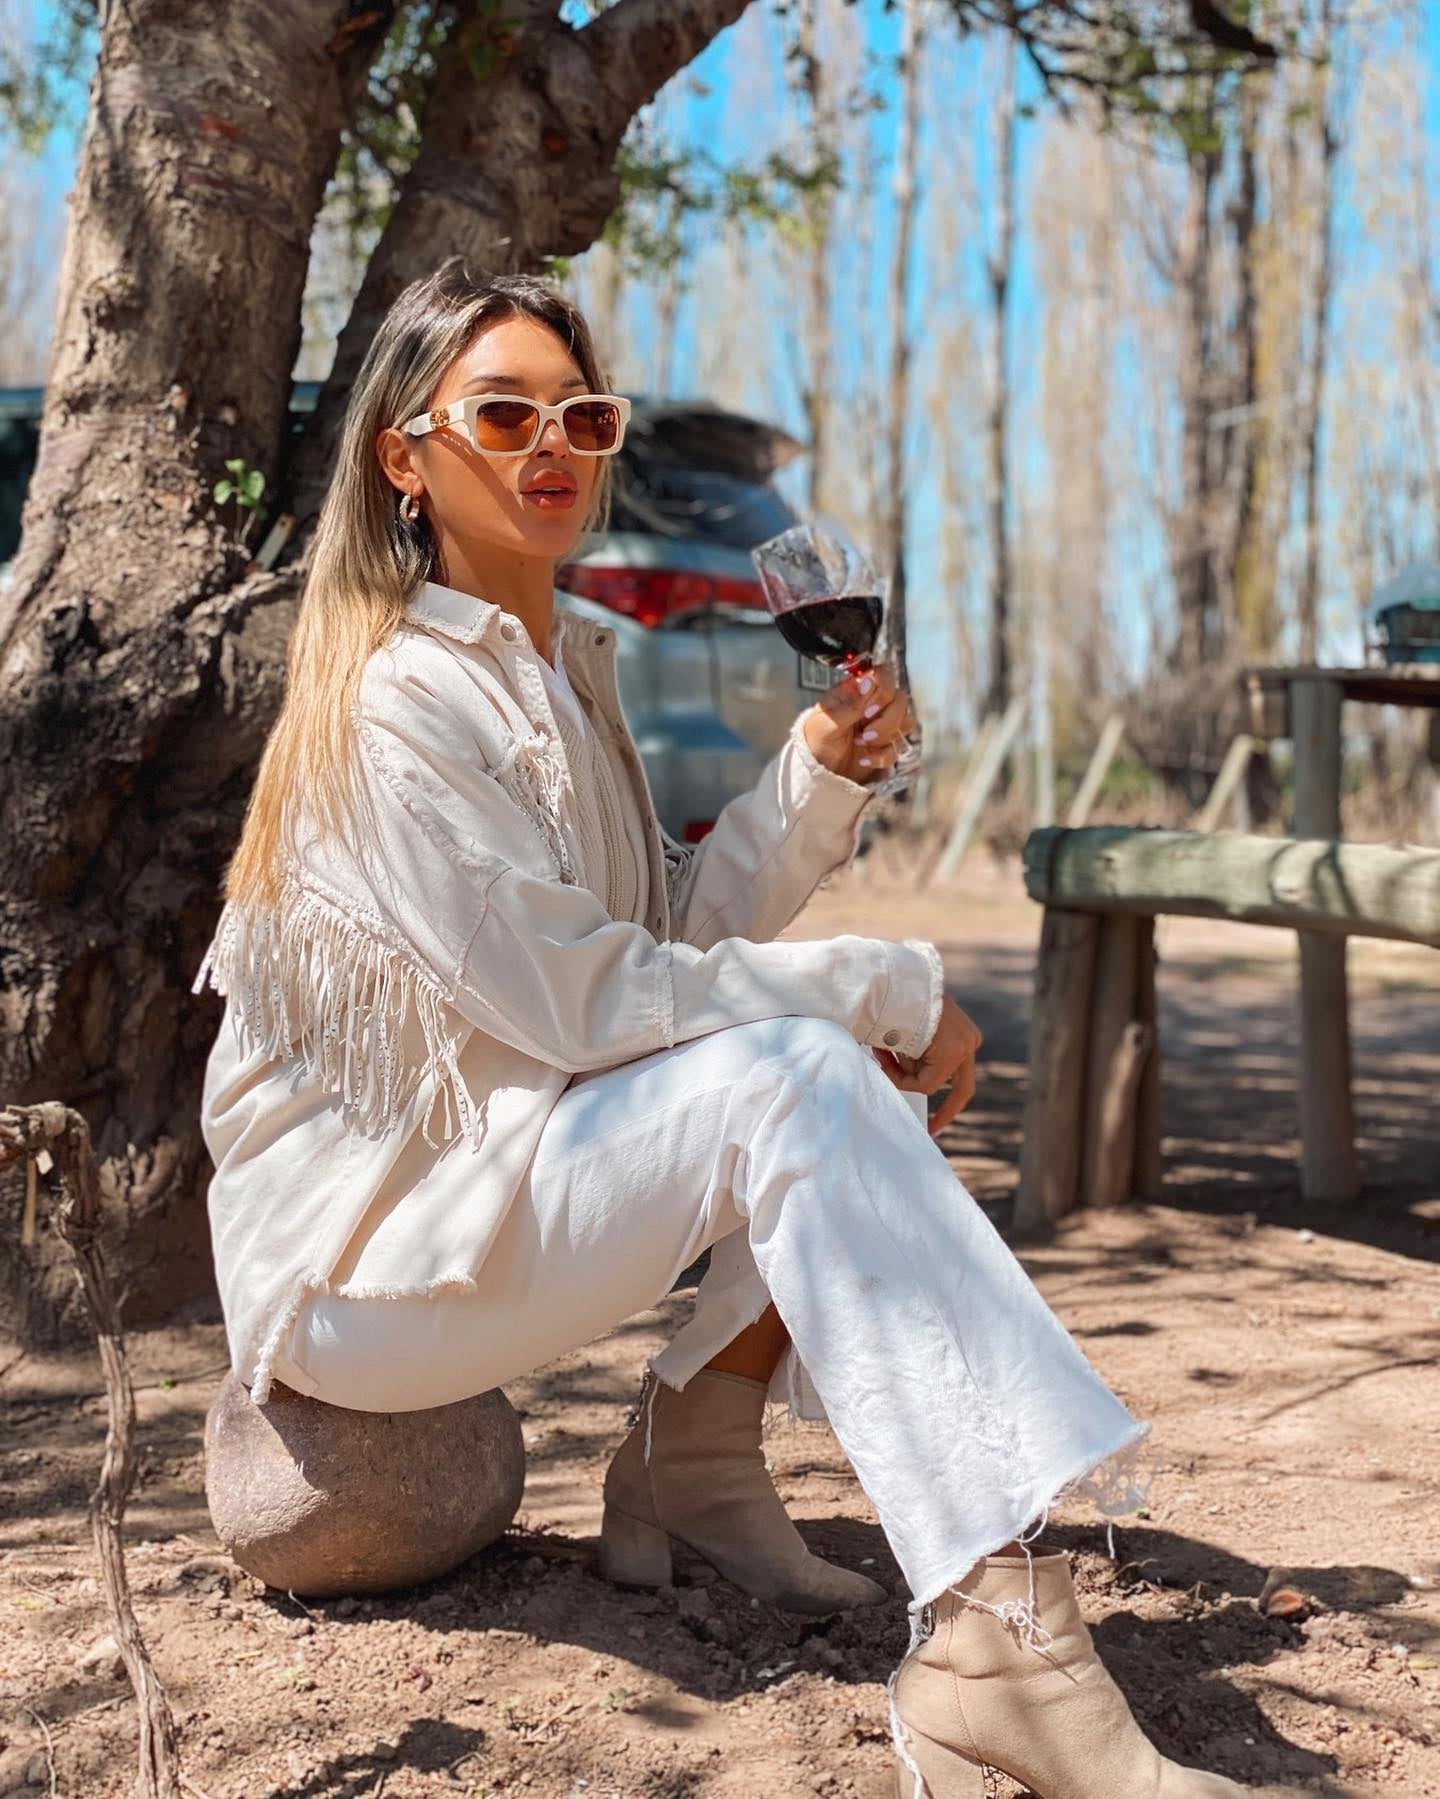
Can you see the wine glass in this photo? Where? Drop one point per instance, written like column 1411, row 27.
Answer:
column 828, row 602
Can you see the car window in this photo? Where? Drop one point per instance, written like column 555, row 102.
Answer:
column 18, row 437
column 706, row 504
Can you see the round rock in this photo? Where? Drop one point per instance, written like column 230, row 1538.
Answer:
column 323, row 1499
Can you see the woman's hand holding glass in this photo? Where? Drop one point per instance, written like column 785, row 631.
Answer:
column 948, row 1061
column 858, row 727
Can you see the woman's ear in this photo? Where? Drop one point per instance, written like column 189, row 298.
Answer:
column 393, row 448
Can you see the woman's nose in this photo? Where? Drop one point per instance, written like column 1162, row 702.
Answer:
column 558, row 442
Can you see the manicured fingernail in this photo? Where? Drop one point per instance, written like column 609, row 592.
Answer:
column 864, row 762
column 868, row 736
column 866, row 683
column 870, row 711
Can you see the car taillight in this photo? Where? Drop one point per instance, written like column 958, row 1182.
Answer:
column 696, row 828
column 652, row 595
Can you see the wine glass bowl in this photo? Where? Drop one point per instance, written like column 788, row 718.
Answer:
column 828, row 603
column 825, row 597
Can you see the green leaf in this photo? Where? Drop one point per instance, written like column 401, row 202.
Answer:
column 223, row 490
column 236, row 465
column 253, row 486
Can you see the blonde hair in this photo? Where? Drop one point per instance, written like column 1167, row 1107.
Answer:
column 367, row 562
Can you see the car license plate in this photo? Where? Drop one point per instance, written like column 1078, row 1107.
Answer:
column 819, row 677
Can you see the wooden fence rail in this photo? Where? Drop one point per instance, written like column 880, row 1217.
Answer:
column 1306, row 884
column 1092, row 1110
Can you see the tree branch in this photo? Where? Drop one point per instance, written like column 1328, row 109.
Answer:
column 517, row 165
column 55, row 1135
column 636, row 46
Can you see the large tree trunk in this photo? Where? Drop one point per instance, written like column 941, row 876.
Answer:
column 140, row 665
column 127, row 730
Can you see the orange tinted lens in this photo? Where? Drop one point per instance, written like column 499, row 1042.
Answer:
column 592, row 425
column 505, row 424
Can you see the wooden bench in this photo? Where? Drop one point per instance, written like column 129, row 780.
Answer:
column 1092, row 1112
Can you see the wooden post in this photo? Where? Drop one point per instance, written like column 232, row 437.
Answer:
column 977, row 789
column 1227, row 783
column 1055, row 1099
column 1328, row 1169
column 1095, row 774
column 1149, row 1178
column 1115, row 1059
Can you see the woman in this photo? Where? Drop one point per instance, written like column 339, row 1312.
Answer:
column 451, row 894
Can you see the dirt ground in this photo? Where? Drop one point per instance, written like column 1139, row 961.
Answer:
column 1286, row 1356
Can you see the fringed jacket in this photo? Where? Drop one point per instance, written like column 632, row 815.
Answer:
column 449, row 953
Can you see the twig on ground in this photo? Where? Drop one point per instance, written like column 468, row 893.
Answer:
column 179, row 1380
column 48, row 1130
column 49, row 1747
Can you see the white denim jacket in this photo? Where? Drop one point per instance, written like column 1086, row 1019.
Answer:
column 448, row 955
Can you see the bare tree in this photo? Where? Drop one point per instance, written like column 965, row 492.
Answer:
column 1327, row 146
column 998, row 422
column 816, row 81
column 897, row 411
column 1195, row 587
column 1071, row 226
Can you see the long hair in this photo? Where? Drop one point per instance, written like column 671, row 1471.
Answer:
column 367, row 562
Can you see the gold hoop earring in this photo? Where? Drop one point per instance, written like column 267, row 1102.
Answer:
column 409, row 508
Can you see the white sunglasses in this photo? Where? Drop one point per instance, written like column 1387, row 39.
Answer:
column 502, row 425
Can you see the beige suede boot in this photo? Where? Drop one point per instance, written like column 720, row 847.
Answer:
column 1013, row 1684
column 705, row 1484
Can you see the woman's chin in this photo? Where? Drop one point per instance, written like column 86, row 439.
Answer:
column 552, row 539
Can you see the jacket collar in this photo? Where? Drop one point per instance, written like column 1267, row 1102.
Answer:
column 454, row 614
column 467, row 619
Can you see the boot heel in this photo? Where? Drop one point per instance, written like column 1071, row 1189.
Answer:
column 633, row 1554
column 947, row 1775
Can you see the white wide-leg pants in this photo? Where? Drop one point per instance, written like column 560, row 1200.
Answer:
column 964, row 1406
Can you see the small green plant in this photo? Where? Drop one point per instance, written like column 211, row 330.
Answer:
column 244, row 487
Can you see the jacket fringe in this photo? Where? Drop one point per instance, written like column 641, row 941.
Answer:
column 316, row 979
column 533, row 773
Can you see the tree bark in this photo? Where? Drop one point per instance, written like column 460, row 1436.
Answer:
column 140, row 664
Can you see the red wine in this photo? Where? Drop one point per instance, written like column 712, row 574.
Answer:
column 833, row 630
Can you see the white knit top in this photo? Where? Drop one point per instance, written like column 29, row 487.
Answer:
column 613, row 826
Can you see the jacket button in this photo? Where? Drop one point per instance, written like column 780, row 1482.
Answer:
column 892, row 1038
column 507, row 630
column 602, row 637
